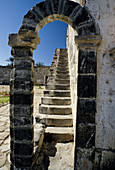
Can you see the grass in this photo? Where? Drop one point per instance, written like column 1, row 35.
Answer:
column 4, row 97
column 39, row 85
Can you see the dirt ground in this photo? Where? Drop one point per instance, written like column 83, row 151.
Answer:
column 4, row 88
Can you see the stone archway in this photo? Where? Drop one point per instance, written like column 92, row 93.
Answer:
column 21, row 96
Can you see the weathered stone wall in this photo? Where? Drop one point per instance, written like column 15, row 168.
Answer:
column 73, row 69
column 40, row 74
column 5, row 74
column 103, row 11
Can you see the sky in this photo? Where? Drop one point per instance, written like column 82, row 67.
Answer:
column 53, row 35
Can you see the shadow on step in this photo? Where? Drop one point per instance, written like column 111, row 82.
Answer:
column 48, row 150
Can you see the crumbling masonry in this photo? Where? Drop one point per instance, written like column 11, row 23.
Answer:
column 85, row 44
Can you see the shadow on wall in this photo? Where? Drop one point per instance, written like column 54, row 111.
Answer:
column 47, row 150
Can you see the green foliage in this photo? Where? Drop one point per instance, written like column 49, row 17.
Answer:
column 11, row 60
column 40, row 64
column 40, row 87
column 4, row 97
column 37, row 84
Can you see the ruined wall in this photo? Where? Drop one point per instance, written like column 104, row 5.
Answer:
column 39, row 74
column 5, row 74
column 103, row 11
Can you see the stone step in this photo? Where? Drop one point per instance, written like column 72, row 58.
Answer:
column 62, row 69
column 63, row 76
column 57, row 93
column 62, row 65
column 62, row 72
column 56, row 100
column 54, row 109
column 62, row 87
column 59, row 134
column 63, row 52
column 63, row 62
column 58, row 87
column 52, row 73
column 62, row 81
column 63, row 57
column 55, row 120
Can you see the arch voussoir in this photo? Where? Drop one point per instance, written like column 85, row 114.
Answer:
column 87, row 28
column 67, row 11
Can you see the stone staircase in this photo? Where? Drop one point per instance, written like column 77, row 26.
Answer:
column 55, row 109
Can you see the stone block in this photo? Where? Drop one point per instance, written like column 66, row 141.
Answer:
column 23, row 162
column 85, row 136
column 23, row 111
column 22, row 121
column 23, row 99
column 23, row 86
column 55, row 5
column 82, row 17
column 70, row 9
column 86, row 111
column 22, row 64
column 22, row 52
column 42, row 10
column 26, row 75
column 23, row 148
column 87, row 86
column 87, row 61
column 104, row 159
column 85, row 158
column 87, row 29
column 23, row 133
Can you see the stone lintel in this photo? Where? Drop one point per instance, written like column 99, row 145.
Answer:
column 88, row 41
column 24, row 39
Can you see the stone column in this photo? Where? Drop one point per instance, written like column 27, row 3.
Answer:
column 86, row 104
column 21, row 102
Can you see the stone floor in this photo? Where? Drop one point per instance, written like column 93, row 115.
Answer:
column 4, row 138
column 55, row 156
column 52, row 155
